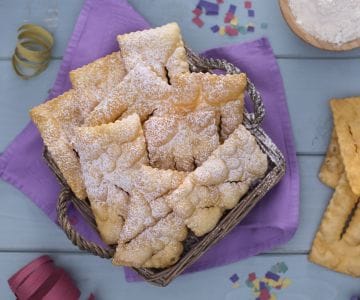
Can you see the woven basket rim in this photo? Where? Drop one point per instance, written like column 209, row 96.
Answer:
column 275, row 172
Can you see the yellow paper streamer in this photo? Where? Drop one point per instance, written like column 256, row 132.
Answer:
column 33, row 50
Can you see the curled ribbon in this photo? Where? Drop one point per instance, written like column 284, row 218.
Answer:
column 33, row 50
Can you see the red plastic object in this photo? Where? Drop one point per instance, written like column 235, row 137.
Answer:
column 42, row 280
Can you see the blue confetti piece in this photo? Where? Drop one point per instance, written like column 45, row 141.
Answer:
column 250, row 28
column 262, row 285
column 215, row 28
column 251, row 13
column 209, row 7
column 232, row 9
column 234, row 278
column 273, row 276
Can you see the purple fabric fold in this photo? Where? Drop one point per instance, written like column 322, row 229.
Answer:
column 272, row 222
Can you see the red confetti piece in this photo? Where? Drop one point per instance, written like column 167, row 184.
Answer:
column 228, row 17
column 252, row 276
column 197, row 11
column 197, row 21
column 219, row 1
column 247, row 4
column 231, row 31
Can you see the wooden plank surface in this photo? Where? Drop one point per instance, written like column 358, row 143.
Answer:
column 14, row 12
column 309, row 282
column 311, row 77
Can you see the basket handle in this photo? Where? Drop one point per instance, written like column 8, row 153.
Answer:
column 199, row 64
column 65, row 198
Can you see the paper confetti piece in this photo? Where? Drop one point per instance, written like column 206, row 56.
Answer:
column 251, row 13
column 231, row 31
column 209, row 7
column 242, row 29
column 232, row 8
column 198, row 21
column 197, row 11
column 272, row 276
column 249, row 283
column 228, row 17
column 234, row 278
column 252, row 276
column 235, row 285
column 215, row 28
column 250, row 28
column 264, row 25
column 283, row 267
column 234, row 21
column 219, row 1
column 286, row 282
column 247, row 4
column 222, row 30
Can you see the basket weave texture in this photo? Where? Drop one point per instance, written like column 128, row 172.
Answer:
column 194, row 246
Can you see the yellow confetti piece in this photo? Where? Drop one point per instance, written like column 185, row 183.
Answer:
column 234, row 21
column 256, row 283
column 236, row 285
column 286, row 282
column 273, row 297
column 222, row 31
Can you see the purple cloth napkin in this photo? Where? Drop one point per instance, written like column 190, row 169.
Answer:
column 275, row 218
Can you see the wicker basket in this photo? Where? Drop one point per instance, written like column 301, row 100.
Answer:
column 194, row 246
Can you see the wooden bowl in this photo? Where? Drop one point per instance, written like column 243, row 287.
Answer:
column 305, row 36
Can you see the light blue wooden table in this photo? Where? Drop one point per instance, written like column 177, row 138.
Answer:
column 311, row 77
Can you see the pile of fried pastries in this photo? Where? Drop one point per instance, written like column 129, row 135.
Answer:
column 157, row 150
column 337, row 242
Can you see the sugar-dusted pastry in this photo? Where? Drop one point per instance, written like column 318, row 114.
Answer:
column 161, row 48
column 183, row 119
column 333, row 247
column 147, row 188
column 127, row 196
column 223, row 94
column 56, row 120
column 332, row 167
column 158, row 246
column 182, row 142
column 100, row 76
column 141, row 92
column 346, row 113
column 220, row 182
column 102, row 150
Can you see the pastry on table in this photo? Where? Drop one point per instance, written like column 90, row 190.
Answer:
column 333, row 247
column 332, row 167
column 346, row 113
column 57, row 118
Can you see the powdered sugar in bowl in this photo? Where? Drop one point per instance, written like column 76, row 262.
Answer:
column 326, row 24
